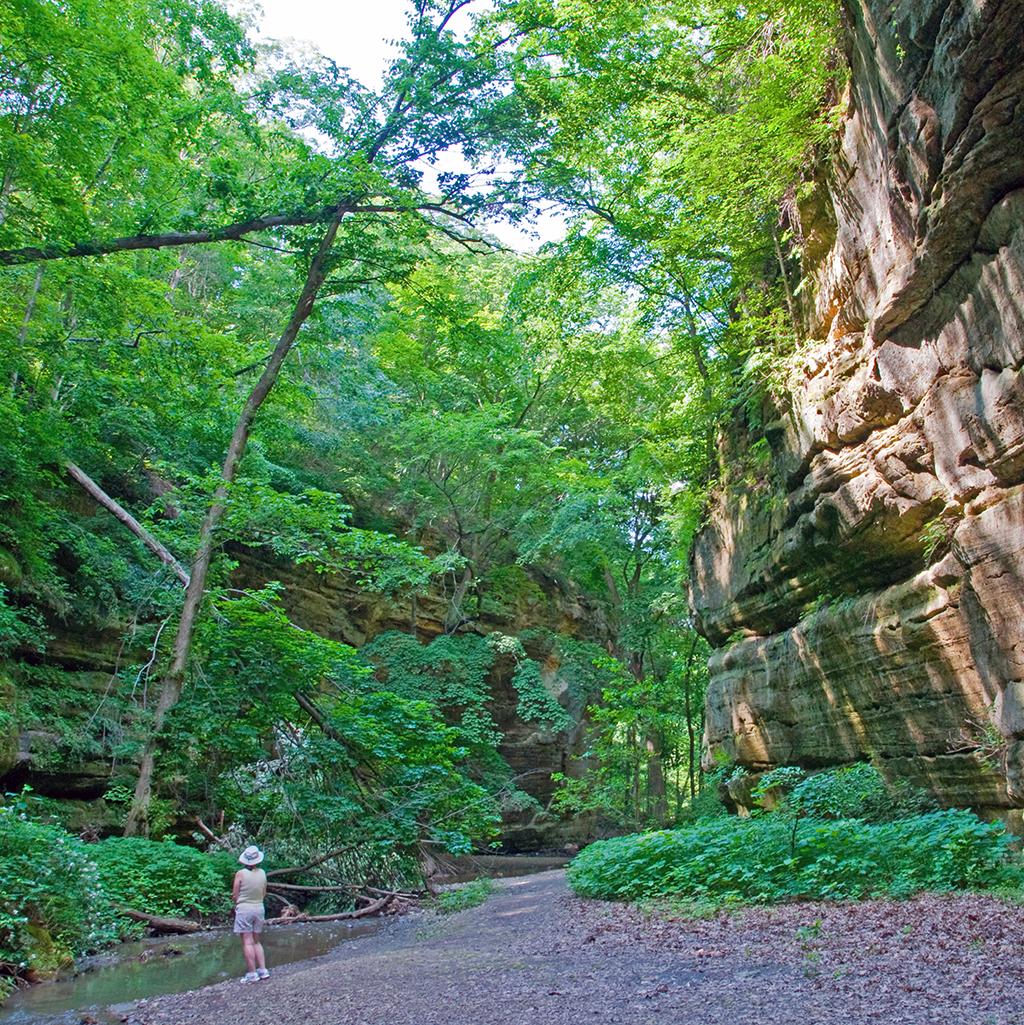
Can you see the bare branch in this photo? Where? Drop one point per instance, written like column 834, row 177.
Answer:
column 96, row 492
column 227, row 233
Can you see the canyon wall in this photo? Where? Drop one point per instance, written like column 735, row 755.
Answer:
column 82, row 668
column 864, row 591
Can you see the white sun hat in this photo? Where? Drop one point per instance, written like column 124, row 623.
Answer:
column 251, row 856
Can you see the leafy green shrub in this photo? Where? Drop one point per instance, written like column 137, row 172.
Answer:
column 856, row 791
column 52, row 903
column 707, row 803
column 162, row 878
column 762, row 859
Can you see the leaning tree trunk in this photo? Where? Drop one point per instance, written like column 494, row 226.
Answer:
column 173, row 681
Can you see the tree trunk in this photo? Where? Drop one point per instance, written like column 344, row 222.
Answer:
column 657, row 798
column 791, row 305
column 455, row 617
column 173, row 681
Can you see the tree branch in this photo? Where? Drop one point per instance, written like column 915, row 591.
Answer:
column 227, row 233
column 96, row 492
column 311, row 864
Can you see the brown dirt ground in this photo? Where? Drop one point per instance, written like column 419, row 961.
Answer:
column 535, row 955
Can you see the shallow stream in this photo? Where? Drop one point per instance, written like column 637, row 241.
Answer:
column 152, row 967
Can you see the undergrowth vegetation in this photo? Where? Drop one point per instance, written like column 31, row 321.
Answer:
column 61, row 897
column 826, row 838
column 52, row 904
column 468, row 895
column 162, row 878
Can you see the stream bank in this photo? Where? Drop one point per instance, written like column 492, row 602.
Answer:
column 166, row 965
column 154, row 967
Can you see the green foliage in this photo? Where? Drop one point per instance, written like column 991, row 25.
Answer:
column 536, row 704
column 162, row 878
column 451, row 672
column 459, row 898
column 52, row 903
column 732, row 860
column 856, row 791
column 288, row 732
column 640, row 731
column 936, row 536
column 19, row 628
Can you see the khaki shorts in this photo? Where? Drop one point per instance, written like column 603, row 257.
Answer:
column 249, row 918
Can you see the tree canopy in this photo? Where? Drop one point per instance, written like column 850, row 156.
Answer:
column 245, row 300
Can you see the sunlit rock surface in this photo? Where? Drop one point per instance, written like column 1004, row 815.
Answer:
column 866, row 592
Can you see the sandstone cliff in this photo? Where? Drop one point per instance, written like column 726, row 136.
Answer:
column 866, row 598
column 78, row 673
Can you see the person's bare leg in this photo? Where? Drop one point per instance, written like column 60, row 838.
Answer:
column 257, row 946
column 249, row 952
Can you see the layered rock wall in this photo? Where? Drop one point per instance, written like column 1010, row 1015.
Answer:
column 79, row 670
column 866, row 595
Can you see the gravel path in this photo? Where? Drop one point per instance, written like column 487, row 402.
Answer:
column 535, row 955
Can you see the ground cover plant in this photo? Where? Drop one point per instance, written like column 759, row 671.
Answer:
column 845, row 834
column 468, row 895
column 755, row 861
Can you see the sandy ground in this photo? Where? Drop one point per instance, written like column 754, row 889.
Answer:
column 535, row 955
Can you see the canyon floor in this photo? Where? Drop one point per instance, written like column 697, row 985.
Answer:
column 533, row 954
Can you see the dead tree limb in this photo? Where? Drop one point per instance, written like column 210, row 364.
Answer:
column 295, row 870
column 168, row 925
column 218, row 841
column 300, row 888
column 371, row 909
column 91, row 488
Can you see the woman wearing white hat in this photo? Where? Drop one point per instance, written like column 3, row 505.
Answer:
column 248, row 891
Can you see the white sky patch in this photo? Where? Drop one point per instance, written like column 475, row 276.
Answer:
column 361, row 36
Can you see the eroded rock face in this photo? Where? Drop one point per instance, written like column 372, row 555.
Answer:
column 867, row 596
column 83, row 666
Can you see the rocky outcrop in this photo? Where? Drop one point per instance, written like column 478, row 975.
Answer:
column 866, row 592
column 334, row 606
column 79, row 670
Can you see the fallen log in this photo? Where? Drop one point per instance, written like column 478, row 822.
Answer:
column 341, row 888
column 168, row 925
column 370, row 909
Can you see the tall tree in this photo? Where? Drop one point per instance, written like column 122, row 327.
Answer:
column 365, row 165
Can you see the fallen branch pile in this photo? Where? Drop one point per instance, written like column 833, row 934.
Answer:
column 371, row 909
